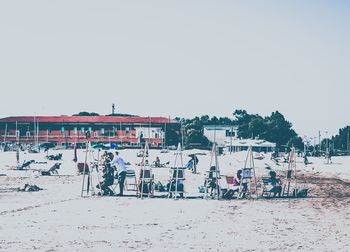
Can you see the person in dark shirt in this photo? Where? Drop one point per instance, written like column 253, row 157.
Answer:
column 108, row 177
column 275, row 184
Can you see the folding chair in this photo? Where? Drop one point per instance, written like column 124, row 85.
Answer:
column 232, row 186
column 81, row 167
column 266, row 187
column 130, row 175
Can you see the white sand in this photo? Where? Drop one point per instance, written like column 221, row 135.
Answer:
column 58, row 219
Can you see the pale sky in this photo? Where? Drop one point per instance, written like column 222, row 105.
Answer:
column 178, row 58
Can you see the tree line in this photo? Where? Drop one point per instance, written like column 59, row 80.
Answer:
column 274, row 128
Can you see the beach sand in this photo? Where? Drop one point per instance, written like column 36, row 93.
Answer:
column 59, row 219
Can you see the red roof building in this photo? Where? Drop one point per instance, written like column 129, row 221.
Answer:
column 64, row 130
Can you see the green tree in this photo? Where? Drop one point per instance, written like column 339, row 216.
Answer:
column 84, row 113
column 274, row 128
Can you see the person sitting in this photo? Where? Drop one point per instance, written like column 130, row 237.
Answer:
column 237, row 181
column 211, row 181
column 108, row 178
column 146, row 182
column 235, row 184
column 145, row 187
column 175, row 187
column 157, row 162
column 176, row 183
column 274, row 184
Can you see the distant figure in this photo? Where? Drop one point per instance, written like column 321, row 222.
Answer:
column 330, row 157
column 192, row 163
column 306, row 161
column 157, row 162
column 119, row 163
column 17, row 156
column 25, row 165
column 141, row 139
column 274, row 155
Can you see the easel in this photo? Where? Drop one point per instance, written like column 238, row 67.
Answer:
column 246, row 188
column 214, row 174
column 291, row 167
column 146, row 177
column 87, row 171
column 177, row 173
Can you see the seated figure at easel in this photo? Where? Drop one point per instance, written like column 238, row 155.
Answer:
column 211, row 181
column 146, row 182
column 274, row 184
column 176, row 183
column 108, row 176
column 235, row 186
column 172, row 188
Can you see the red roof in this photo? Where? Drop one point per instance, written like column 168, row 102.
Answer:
column 85, row 119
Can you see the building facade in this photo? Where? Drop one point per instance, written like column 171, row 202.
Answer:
column 64, row 130
column 220, row 134
column 227, row 137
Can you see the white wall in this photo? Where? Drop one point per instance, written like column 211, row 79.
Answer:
column 219, row 134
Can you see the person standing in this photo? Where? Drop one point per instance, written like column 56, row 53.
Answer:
column 119, row 163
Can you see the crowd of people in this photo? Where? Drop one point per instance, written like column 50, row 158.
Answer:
column 114, row 168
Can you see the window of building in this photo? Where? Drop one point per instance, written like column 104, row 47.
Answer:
column 230, row 133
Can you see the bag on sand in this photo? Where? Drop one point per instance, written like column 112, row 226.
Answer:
column 159, row 187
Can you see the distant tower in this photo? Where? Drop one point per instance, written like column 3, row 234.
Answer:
column 113, row 108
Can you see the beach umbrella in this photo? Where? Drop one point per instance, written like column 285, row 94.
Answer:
column 100, row 146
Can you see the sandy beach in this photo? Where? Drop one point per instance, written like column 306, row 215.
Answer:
column 59, row 219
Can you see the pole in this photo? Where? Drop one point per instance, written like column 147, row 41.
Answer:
column 164, row 138
column 182, row 135
column 5, row 137
column 347, row 142
column 149, row 130
column 121, row 141
column 217, row 173
column 37, row 135
column 231, row 140
column 16, row 133
column 86, row 154
column 34, row 131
